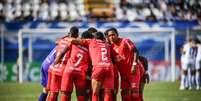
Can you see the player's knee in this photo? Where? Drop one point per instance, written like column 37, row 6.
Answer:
column 67, row 93
column 135, row 93
column 95, row 86
column 110, row 91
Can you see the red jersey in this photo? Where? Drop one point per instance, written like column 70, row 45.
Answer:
column 124, row 55
column 99, row 52
column 79, row 60
column 59, row 68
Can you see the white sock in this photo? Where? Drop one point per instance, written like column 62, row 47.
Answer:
column 197, row 79
column 182, row 84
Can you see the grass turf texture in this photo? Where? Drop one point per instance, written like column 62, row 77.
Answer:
column 155, row 91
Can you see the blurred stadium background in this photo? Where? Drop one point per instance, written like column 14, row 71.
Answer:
column 158, row 27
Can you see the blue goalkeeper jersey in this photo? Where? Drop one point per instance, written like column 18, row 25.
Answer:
column 45, row 66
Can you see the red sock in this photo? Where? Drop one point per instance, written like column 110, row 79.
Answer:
column 107, row 96
column 52, row 97
column 136, row 97
column 125, row 97
column 94, row 97
column 80, row 98
column 65, row 98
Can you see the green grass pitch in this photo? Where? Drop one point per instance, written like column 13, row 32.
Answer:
column 155, row 91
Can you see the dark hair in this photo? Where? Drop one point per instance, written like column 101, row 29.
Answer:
column 86, row 34
column 111, row 29
column 92, row 30
column 99, row 35
column 74, row 31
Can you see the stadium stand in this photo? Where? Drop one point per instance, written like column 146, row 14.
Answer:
column 110, row 10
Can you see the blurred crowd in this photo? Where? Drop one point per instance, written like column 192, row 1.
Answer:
column 126, row 10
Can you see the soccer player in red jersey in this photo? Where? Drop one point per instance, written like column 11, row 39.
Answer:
column 75, row 71
column 56, row 71
column 125, row 60
column 91, row 30
column 102, row 73
column 116, row 75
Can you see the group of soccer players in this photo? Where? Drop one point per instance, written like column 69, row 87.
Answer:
column 94, row 63
column 191, row 64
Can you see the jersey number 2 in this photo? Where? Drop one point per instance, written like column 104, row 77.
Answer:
column 104, row 53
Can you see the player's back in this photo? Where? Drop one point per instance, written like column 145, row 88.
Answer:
column 78, row 60
column 59, row 67
column 99, row 53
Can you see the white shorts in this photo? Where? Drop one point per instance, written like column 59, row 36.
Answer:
column 188, row 65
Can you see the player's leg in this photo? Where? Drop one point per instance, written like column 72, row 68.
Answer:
column 184, row 78
column 135, row 85
column 125, row 89
column 198, row 62
column 108, row 95
column 192, row 73
column 95, row 89
column 142, row 84
column 116, row 86
column 66, row 87
column 97, row 76
column 55, row 87
column 88, row 90
column 49, row 82
column 80, row 84
column 108, row 85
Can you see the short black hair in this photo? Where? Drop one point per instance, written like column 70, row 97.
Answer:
column 111, row 29
column 74, row 31
column 99, row 35
column 86, row 34
column 92, row 30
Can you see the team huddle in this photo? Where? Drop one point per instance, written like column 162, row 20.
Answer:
column 94, row 64
column 191, row 64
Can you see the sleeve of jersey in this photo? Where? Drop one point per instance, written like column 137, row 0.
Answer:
column 130, row 44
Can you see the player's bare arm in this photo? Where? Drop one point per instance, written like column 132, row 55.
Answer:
column 146, row 74
column 135, row 56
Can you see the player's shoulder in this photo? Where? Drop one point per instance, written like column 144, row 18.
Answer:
column 126, row 40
